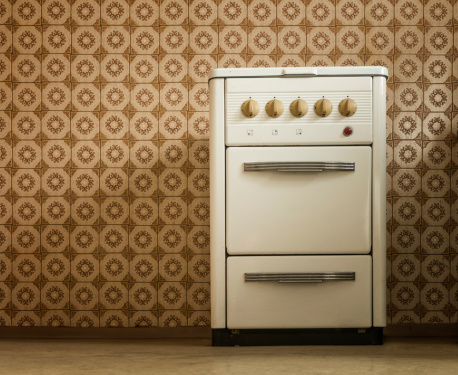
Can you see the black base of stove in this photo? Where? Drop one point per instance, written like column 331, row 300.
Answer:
column 271, row 337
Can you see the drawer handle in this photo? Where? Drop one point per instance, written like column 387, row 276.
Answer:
column 298, row 166
column 307, row 277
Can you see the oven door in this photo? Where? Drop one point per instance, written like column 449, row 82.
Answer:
column 298, row 200
column 329, row 291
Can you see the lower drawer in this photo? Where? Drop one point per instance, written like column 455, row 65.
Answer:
column 272, row 297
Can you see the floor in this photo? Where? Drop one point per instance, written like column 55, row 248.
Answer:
column 417, row 356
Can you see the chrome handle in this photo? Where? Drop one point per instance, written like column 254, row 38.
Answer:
column 306, row 277
column 298, row 166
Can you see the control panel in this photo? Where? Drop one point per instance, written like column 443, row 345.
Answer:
column 300, row 110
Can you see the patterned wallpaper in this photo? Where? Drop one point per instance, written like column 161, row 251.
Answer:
column 104, row 182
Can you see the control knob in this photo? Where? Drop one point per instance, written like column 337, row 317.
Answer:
column 347, row 107
column 323, row 107
column 250, row 108
column 274, row 108
column 299, row 108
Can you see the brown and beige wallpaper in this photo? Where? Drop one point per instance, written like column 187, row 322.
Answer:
column 104, row 183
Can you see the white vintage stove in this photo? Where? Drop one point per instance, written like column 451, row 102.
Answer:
column 297, row 205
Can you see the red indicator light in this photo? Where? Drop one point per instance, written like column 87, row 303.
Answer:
column 348, row 131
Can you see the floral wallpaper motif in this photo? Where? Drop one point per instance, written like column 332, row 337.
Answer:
column 104, row 183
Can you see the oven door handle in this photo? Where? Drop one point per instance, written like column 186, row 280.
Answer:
column 305, row 277
column 298, row 166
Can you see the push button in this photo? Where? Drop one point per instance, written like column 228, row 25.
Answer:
column 348, row 131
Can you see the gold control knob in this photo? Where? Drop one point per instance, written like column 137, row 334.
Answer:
column 274, row 108
column 299, row 108
column 323, row 107
column 347, row 107
column 250, row 108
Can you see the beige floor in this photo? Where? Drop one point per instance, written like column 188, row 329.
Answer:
column 196, row 356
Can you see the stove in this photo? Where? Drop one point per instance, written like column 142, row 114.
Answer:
column 297, row 170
